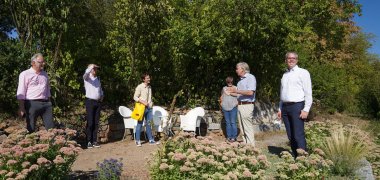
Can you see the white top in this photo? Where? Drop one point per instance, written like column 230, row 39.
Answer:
column 296, row 87
column 92, row 85
column 247, row 82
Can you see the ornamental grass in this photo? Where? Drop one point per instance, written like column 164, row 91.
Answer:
column 345, row 151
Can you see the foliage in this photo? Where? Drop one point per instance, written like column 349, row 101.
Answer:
column 317, row 132
column 305, row 166
column 109, row 169
column 345, row 152
column 40, row 155
column 186, row 157
column 190, row 46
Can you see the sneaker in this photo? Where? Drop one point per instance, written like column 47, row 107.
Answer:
column 154, row 142
column 89, row 145
column 95, row 144
column 138, row 143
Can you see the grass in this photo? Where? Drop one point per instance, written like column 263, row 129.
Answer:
column 345, row 151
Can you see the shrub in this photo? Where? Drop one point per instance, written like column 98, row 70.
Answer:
column 40, row 155
column 345, row 151
column 305, row 166
column 186, row 157
column 109, row 169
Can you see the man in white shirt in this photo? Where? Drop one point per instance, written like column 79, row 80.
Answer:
column 295, row 102
column 94, row 96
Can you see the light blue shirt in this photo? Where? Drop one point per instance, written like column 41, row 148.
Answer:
column 247, row 82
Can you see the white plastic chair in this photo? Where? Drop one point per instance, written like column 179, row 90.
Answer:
column 192, row 119
column 129, row 123
column 160, row 118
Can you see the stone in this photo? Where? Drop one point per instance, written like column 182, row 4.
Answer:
column 2, row 138
column 365, row 170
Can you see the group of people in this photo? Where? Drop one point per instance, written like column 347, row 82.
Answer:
column 237, row 102
column 33, row 94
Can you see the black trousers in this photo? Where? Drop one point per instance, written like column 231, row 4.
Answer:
column 93, row 115
column 295, row 126
column 35, row 108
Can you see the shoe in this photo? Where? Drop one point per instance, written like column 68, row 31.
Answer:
column 95, row 144
column 89, row 145
column 154, row 142
column 138, row 143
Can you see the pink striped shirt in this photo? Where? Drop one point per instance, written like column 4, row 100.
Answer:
column 33, row 85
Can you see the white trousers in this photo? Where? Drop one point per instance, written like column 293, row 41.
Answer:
column 245, row 118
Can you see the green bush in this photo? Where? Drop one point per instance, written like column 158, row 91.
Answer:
column 186, row 157
column 40, row 155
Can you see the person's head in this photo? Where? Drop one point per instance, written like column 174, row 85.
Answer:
column 37, row 62
column 242, row 68
column 229, row 80
column 94, row 70
column 145, row 78
column 291, row 59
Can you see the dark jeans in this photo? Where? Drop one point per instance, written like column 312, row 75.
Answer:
column 93, row 115
column 295, row 126
column 38, row 108
column 231, row 128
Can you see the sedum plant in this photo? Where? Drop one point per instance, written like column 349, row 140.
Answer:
column 187, row 157
column 40, row 155
column 311, row 167
column 345, row 150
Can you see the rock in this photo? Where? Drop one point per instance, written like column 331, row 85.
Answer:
column 365, row 171
column 2, row 138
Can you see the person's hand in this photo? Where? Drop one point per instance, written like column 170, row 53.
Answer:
column 304, row 114
column 21, row 112
column 279, row 115
column 144, row 102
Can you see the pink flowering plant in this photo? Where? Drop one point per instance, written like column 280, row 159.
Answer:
column 187, row 157
column 305, row 166
column 40, row 155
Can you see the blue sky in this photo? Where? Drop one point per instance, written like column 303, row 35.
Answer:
column 370, row 22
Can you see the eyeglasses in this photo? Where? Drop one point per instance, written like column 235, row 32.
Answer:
column 40, row 62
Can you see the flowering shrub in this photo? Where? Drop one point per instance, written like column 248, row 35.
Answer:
column 186, row 157
column 40, row 155
column 305, row 166
column 109, row 169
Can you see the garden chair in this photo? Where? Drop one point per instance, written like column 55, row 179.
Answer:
column 129, row 123
column 192, row 120
column 161, row 120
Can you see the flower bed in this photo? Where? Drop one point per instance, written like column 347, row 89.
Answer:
column 40, row 155
column 187, row 157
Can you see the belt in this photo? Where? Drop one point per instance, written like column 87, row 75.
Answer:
column 245, row 102
column 39, row 100
column 291, row 103
column 92, row 99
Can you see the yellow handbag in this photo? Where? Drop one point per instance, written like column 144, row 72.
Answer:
column 138, row 111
